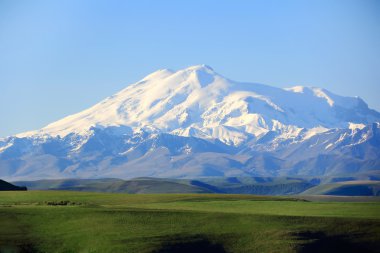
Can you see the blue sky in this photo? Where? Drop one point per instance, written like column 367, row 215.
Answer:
column 60, row 57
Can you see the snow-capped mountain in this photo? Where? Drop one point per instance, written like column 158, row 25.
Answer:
column 195, row 122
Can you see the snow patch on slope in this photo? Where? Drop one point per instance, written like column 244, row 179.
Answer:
column 199, row 102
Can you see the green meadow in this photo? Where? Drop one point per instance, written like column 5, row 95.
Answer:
column 67, row 221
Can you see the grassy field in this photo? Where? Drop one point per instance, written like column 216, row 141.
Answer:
column 63, row 221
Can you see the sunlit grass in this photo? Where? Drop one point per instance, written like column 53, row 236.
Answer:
column 99, row 222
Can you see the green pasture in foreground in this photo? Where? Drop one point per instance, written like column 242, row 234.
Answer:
column 59, row 221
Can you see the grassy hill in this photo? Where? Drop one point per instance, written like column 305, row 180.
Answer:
column 341, row 186
column 138, row 185
column 68, row 221
column 260, row 186
column 348, row 188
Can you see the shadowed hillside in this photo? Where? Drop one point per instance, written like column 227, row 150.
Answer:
column 5, row 186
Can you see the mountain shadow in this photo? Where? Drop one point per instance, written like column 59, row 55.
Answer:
column 189, row 245
column 320, row 242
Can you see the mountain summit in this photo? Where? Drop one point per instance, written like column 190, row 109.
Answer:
column 195, row 122
column 199, row 102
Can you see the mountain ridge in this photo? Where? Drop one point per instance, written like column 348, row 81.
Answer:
column 187, row 101
column 195, row 122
